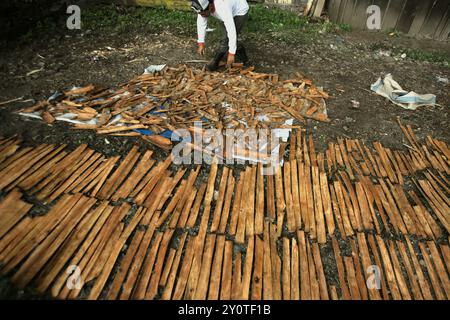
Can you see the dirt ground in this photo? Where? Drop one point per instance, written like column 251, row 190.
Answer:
column 344, row 64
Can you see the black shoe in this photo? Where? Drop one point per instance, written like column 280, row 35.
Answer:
column 241, row 55
column 214, row 64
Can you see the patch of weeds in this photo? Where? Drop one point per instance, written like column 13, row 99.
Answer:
column 271, row 23
column 434, row 56
column 263, row 19
column 439, row 57
column 345, row 27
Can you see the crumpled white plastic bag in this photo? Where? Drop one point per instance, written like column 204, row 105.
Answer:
column 389, row 88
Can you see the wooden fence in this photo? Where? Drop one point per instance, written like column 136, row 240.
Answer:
column 428, row 19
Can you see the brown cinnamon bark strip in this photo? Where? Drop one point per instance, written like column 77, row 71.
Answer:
column 22, row 153
column 267, row 266
column 354, row 208
column 407, row 213
column 174, row 201
column 22, row 165
column 130, row 281
column 196, row 206
column 205, row 269
column 320, row 272
column 124, row 266
column 362, row 286
column 216, row 269
column 257, row 277
column 225, row 287
column 28, row 182
column 77, row 173
column 220, row 199
column 364, row 206
column 424, row 286
column 342, row 208
column 40, row 169
column 379, row 264
column 295, row 194
column 119, row 174
column 180, row 222
column 72, row 245
column 36, row 261
column 305, row 286
column 336, row 211
column 303, row 197
column 147, row 267
column 286, row 271
column 445, row 250
column 389, row 270
column 184, row 273
column 291, row 221
column 351, row 278
column 173, row 182
column 62, row 171
column 92, row 262
column 227, row 204
column 295, row 288
column 81, row 181
column 366, row 265
column 12, row 210
column 98, row 182
column 292, row 146
column 370, row 196
column 409, row 271
column 170, row 281
column 250, row 219
column 385, row 162
column 148, row 182
column 391, row 210
column 327, row 206
column 348, row 167
column 321, row 232
column 145, row 164
column 314, row 282
column 270, row 199
column 341, row 271
column 236, row 283
column 105, row 273
column 439, row 266
column 298, row 151
column 236, row 205
column 152, row 288
column 39, row 229
column 435, row 282
column 398, row 272
column 191, row 285
column 310, row 202
column 243, row 207
column 276, row 264
column 282, row 204
column 247, row 271
column 312, row 151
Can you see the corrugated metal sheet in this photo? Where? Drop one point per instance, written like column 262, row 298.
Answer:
column 424, row 18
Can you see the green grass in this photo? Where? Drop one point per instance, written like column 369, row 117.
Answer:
column 436, row 57
column 269, row 23
column 439, row 57
column 129, row 18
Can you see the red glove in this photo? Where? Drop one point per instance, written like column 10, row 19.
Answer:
column 230, row 59
column 201, row 48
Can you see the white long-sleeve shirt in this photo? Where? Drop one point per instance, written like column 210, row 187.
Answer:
column 225, row 10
